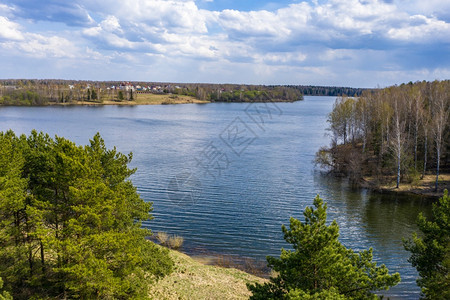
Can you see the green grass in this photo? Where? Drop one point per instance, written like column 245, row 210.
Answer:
column 192, row 279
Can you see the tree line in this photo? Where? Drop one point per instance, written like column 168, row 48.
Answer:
column 42, row 92
column 400, row 131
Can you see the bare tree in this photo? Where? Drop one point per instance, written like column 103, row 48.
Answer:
column 416, row 98
column 440, row 114
column 398, row 138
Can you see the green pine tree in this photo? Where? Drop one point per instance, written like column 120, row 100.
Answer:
column 16, row 244
column 71, row 222
column 4, row 295
column 319, row 266
column 93, row 94
column 430, row 254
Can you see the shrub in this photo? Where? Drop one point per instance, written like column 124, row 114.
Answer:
column 162, row 237
column 175, row 242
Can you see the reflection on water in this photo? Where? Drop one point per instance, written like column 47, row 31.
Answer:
column 368, row 219
column 238, row 212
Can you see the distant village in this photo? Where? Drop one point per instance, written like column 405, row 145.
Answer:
column 129, row 86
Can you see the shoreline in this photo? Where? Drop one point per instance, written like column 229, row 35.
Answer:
column 167, row 101
column 194, row 279
column 424, row 188
column 144, row 99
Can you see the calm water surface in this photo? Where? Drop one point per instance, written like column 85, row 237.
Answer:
column 226, row 176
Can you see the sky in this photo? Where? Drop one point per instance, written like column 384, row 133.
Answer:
column 356, row 43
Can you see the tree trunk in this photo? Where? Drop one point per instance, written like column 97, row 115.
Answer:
column 42, row 257
column 425, row 156
column 416, row 129
column 438, row 152
column 398, row 168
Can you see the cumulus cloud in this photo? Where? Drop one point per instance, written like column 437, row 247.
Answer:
column 40, row 46
column 9, row 30
column 334, row 24
column 312, row 37
column 71, row 13
column 32, row 44
column 421, row 29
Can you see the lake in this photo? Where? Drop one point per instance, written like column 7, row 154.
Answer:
column 226, row 176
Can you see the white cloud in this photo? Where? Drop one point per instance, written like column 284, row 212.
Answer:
column 304, row 38
column 9, row 30
column 167, row 15
column 33, row 44
column 6, row 10
column 421, row 29
column 111, row 24
column 255, row 24
column 436, row 8
column 40, row 46
column 281, row 58
column 334, row 22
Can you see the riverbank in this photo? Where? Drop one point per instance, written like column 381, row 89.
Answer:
column 193, row 279
column 145, row 99
column 423, row 187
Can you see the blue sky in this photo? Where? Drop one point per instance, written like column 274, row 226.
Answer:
column 359, row 43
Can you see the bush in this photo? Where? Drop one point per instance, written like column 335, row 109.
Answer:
column 413, row 176
column 162, row 237
column 175, row 242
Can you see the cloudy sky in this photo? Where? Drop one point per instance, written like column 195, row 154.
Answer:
column 358, row 43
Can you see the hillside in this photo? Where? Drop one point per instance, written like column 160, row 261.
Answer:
column 192, row 279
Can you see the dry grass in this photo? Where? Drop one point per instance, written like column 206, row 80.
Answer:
column 194, row 280
column 248, row 265
column 162, row 237
column 175, row 242
column 424, row 186
column 147, row 99
column 170, row 241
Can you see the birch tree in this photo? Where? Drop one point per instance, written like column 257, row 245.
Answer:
column 440, row 114
column 398, row 138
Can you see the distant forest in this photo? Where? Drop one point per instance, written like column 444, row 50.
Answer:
column 43, row 92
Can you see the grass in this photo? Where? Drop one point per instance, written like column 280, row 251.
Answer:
column 170, row 241
column 147, row 99
column 192, row 279
column 175, row 242
column 424, row 186
column 162, row 237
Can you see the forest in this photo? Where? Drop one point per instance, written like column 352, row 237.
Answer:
column 397, row 134
column 29, row 92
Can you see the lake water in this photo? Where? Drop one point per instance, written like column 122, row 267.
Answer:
column 226, row 176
